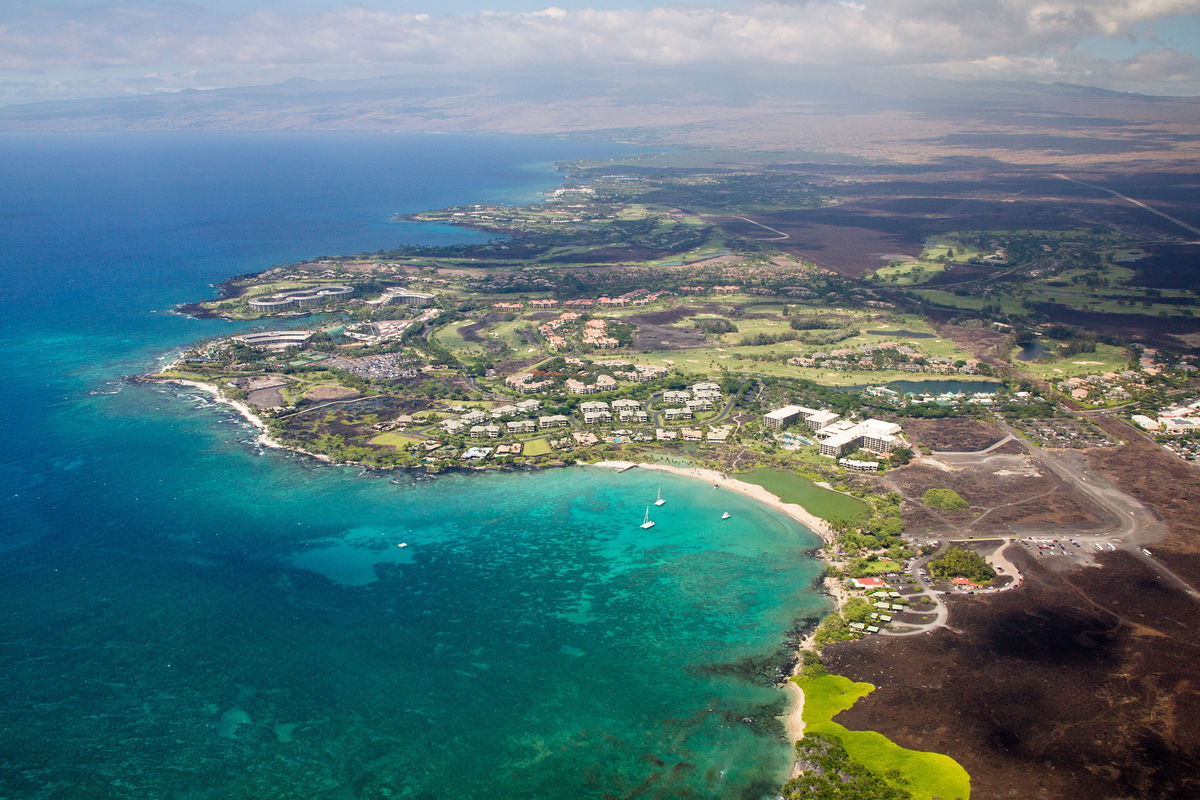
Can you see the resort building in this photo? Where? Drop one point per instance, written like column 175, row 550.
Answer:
column 633, row 415
column 273, row 340
column 782, row 417
column 529, row 406
column 677, row 413
column 485, row 432
column 858, row 466
column 597, row 417
column 870, row 434
column 553, row 421
column 522, row 426
column 299, row 298
column 504, row 411
column 700, row 404
column 402, row 297
column 625, row 404
column 676, row 396
column 578, row 387
column 593, row 405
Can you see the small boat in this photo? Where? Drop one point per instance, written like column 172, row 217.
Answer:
column 402, row 544
column 647, row 522
column 725, row 515
column 659, row 501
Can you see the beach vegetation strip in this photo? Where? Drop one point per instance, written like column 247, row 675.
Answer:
column 917, row 774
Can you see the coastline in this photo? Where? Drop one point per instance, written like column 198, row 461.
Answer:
column 264, row 437
column 796, row 512
column 793, row 719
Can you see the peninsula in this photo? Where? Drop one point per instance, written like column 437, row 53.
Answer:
column 973, row 409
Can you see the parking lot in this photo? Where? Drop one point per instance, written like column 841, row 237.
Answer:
column 1065, row 432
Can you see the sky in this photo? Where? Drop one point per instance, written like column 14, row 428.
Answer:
column 71, row 49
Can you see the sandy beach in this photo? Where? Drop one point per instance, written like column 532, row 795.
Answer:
column 264, row 437
column 793, row 720
column 796, row 512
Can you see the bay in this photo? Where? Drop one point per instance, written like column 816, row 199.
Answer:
column 183, row 615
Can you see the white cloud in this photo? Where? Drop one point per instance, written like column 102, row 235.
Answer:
column 1032, row 38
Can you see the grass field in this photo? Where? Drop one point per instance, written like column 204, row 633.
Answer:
column 1107, row 358
column 972, row 302
column 930, row 776
column 394, row 439
column 536, row 447
column 792, row 488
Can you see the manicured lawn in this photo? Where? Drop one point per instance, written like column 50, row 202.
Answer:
column 930, row 776
column 394, row 439
column 792, row 488
column 536, row 447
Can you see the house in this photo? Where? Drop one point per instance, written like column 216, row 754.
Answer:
column 476, row 453
column 719, row 434
column 868, row 583
column 664, row 435
column 692, row 434
column 584, row 438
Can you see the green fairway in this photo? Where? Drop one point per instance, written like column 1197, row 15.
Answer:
column 929, row 776
column 1107, row 358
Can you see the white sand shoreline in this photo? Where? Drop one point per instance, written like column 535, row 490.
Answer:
column 264, row 437
column 796, row 512
column 793, row 720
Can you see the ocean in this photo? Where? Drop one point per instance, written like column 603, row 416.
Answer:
column 183, row 615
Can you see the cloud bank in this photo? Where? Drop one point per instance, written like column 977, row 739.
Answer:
column 137, row 48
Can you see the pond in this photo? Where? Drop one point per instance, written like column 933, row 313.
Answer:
column 1032, row 351
column 791, row 487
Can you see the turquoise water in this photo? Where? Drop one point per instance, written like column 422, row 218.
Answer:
column 182, row 615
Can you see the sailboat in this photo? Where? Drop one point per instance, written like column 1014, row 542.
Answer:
column 725, row 515
column 659, row 501
column 647, row 522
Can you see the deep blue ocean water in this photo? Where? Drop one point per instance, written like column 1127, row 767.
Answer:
column 184, row 616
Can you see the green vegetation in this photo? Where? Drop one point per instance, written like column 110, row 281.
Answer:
column 791, row 487
column 536, row 447
column 944, row 499
column 958, row 562
column 830, row 774
column 925, row 776
column 394, row 439
column 1105, row 358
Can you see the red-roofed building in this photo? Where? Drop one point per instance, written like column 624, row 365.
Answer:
column 964, row 582
column 868, row 583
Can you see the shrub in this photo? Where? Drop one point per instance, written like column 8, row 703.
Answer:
column 945, row 499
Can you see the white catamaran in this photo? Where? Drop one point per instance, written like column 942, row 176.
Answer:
column 647, row 522
column 659, row 501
